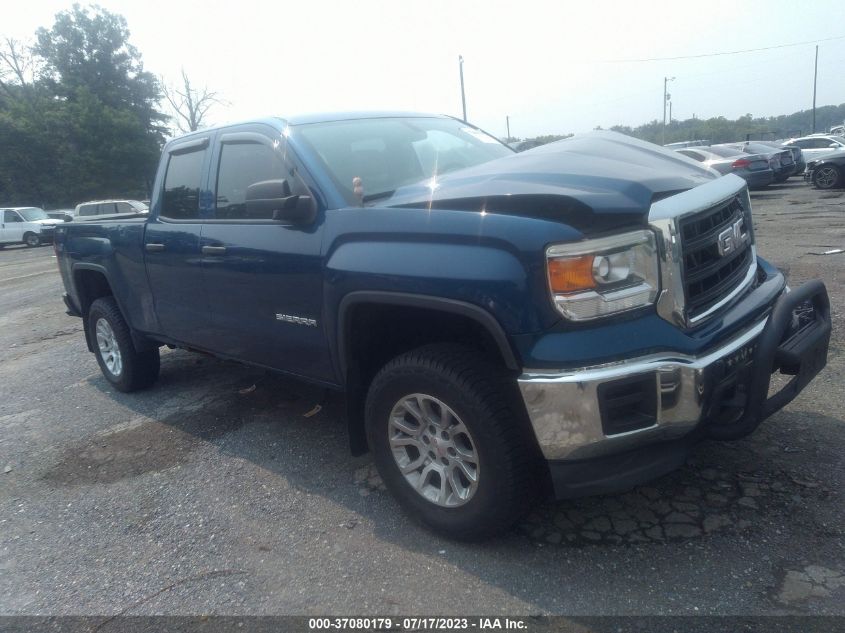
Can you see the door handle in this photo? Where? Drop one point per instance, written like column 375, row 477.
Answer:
column 213, row 250
column 154, row 248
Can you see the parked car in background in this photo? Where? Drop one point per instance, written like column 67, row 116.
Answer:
column 797, row 154
column 837, row 130
column 780, row 159
column 100, row 208
column 65, row 215
column 816, row 145
column 26, row 225
column 827, row 171
column 753, row 168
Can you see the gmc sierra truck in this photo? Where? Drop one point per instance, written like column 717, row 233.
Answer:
column 572, row 318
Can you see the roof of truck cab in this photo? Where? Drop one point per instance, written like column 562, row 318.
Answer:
column 325, row 117
column 307, row 119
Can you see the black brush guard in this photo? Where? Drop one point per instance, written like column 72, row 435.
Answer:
column 794, row 342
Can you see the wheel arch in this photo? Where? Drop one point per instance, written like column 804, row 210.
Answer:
column 92, row 282
column 393, row 326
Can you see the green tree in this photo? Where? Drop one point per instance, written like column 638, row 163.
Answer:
column 85, row 124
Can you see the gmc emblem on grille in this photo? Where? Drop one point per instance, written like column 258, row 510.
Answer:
column 732, row 238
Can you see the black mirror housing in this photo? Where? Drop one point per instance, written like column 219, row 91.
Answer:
column 274, row 198
column 296, row 210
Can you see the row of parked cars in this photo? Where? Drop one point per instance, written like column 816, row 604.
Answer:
column 34, row 226
column 820, row 157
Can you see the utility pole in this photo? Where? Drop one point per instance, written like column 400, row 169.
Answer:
column 815, row 79
column 666, row 98
column 508, row 124
column 463, row 96
column 670, row 113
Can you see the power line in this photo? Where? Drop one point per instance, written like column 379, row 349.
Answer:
column 747, row 50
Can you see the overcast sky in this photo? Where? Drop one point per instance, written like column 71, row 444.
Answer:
column 553, row 67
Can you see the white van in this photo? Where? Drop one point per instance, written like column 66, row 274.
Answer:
column 26, row 225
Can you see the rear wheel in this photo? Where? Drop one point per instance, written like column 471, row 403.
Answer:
column 827, row 177
column 122, row 365
column 449, row 444
column 31, row 239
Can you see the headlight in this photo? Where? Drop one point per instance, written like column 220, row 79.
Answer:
column 604, row 276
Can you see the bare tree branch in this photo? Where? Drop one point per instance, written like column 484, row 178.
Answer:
column 190, row 105
column 18, row 66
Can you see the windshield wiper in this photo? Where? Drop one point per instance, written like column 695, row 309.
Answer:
column 378, row 196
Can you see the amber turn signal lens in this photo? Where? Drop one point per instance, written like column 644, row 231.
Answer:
column 571, row 274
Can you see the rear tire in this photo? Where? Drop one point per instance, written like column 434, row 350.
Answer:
column 122, row 365
column 441, row 414
column 32, row 240
column 827, row 177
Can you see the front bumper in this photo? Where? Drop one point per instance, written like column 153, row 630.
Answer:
column 598, row 426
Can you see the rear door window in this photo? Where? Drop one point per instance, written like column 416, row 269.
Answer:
column 181, row 199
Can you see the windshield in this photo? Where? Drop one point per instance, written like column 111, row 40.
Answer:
column 32, row 214
column 389, row 153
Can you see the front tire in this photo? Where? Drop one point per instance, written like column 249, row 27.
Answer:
column 32, row 240
column 449, row 444
column 827, row 177
column 122, row 365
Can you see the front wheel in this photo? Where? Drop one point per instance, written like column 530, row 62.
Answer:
column 122, row 365
column 449, row 444
column 32, row 240
column 827, row 177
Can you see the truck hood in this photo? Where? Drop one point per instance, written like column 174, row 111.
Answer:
column 48, row 222
column 592, row 181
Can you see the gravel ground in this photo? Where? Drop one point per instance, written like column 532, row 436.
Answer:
column 205, row 495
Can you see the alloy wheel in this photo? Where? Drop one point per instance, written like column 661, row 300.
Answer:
column 433, row 450
column 109, row 350
column 826, row 177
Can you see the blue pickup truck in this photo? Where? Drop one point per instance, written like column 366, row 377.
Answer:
column 571, row 319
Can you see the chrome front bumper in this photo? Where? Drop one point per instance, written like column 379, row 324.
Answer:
column 565, row 412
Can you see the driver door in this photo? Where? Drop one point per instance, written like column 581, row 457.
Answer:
column 13, row 227
column 263, row 277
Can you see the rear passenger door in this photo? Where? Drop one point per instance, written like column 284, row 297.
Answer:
column 263, row 277
column 172, row 245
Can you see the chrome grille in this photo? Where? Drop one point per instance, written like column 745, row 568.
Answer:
column 716, row 247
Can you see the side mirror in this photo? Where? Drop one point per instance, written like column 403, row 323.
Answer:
column 834, row 146
column 68, row 218
column 273, row 198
